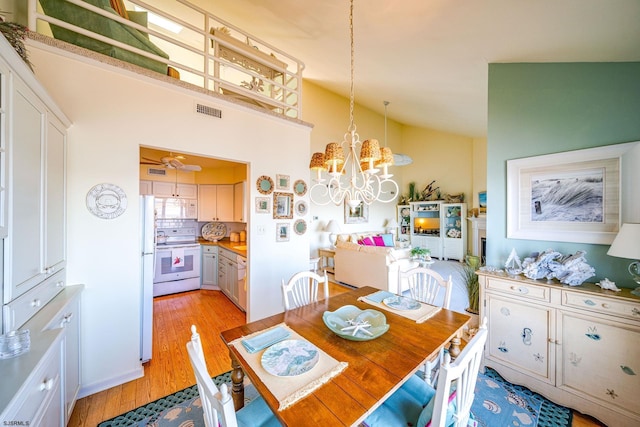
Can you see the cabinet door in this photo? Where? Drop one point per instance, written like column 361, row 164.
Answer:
column 25, row 256
column 224, row 203
column 238, row 202
column 164, row 189
column 55, row 202
column 207, row 201
column 519, row 335
column 209, row 269
column 146, row 188
column 187, row 191
column 232, row 275
column 600, row 358
column 72, row 356
column 222, row 275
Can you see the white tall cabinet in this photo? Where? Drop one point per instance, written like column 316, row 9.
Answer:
column 578, row 345
column 38, row 387
column 440, row 227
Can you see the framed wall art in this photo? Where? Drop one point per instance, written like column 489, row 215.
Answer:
column 566, row 197
column 301, row 208
column 300, row 226
column 263, row 205
column 282, row 182
column 283, row 230
column 359, row 215
column 264, row 184
column 282, row 205
column 300, row 187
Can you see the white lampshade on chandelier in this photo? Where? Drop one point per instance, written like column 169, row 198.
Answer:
column 350, row 178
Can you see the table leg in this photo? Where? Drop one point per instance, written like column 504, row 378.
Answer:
column 454, row 348
column 237, row 384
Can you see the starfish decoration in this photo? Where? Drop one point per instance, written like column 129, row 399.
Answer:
column 357, row 325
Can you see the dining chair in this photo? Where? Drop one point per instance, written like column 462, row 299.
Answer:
column 449, row 404
column 427, row 286
column 217, row 404
column 302, row 289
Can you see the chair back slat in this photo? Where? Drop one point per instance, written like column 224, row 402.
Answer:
column 426, row 285
column 464, row 372
column 217, row 404
column 303, row 288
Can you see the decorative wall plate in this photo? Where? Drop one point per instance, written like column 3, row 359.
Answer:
column 106, row 201
column 301, row 207
column 214, row 231
column 300, row 226
column 300, row 187
column 264, row 184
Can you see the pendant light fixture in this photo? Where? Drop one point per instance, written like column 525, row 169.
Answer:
column 353, row 179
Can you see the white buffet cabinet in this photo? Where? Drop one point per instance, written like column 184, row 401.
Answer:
column 38, row 387
column 578, row 346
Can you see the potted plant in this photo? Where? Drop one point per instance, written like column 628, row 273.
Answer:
column 472, row 263
column 420, row 253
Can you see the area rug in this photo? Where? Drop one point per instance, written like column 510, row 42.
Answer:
column 497, row 403
column 500, row 403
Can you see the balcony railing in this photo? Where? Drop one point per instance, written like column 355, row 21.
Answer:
column 189, row 42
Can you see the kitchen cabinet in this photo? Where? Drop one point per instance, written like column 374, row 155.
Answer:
column 209, row 267
column 215, row 202
column 228, row 275
column 146, row 188
column 170, row 189
column 239, row 209
column 574, row 345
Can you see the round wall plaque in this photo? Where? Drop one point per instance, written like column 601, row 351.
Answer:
column 106, row 201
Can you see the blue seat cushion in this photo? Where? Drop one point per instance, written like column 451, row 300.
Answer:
column 256, row 414
column 404, row 406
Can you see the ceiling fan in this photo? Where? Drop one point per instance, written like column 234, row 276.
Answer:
column 172, row 162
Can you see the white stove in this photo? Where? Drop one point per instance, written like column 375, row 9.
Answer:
column 177, row 266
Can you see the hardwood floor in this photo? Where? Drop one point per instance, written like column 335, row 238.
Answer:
column 169, row 369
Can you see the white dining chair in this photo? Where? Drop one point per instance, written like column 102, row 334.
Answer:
column 430, row 287
column 217, row 404
column 449, row 404
column 302, row 289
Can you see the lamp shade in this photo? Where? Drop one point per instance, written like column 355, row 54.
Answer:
column 386, row 158
column 627, row 242
column 332, row 227
column 333, row 154
column 317, row 162
column 370, row 151
column 392, row 223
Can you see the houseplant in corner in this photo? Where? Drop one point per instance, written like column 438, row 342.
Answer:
column 472, row 263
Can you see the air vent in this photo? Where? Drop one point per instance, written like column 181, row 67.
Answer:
column 154, row 171
column 209, row 111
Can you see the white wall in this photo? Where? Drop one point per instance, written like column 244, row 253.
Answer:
column 113, row 113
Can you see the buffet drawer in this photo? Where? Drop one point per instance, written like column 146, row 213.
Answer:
column 511, row 287
column 601, row 305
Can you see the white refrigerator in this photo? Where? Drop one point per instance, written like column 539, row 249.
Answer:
column 147, row 249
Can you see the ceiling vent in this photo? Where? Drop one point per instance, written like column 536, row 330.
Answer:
column 156, row 171
column 208, row 111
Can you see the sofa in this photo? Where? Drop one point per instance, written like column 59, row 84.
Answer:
column 80, row 17
column 358, row 265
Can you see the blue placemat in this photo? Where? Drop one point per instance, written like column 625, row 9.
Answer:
column 265, row 339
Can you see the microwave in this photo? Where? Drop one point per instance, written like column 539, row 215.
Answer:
column 174, row 208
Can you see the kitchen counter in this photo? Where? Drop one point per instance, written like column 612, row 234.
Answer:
column 227, row 244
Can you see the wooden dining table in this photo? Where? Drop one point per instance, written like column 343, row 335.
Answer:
column 376, row 368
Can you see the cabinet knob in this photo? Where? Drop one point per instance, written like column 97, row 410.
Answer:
column 605, row 305
column 36, row 303
column 46, row 384
column 60, row 284
column 635, row 312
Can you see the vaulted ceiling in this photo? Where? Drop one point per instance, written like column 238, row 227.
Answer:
column 429, row 58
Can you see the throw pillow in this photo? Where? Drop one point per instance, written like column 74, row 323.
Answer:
column 378, row 241
column 367, row 241
column 118, row 6
column 388, row 239
column 427, row 412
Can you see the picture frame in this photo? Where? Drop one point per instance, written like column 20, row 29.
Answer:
column 301, row 208
column 482, row 201
column 263, row 205
column 300, row 226
column 300, row 187
column 264, row 184
column 283, row 231
column 282, row 182
column 572, row 196
column 282, row 205
column 360, row 215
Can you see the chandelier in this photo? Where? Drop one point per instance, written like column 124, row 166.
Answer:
column 350, row 178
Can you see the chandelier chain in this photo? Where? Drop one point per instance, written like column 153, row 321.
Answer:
column 352, row 126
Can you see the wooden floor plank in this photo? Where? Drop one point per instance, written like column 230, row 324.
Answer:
column 169, row 369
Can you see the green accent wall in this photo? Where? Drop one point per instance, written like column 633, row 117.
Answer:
column 545, row 108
